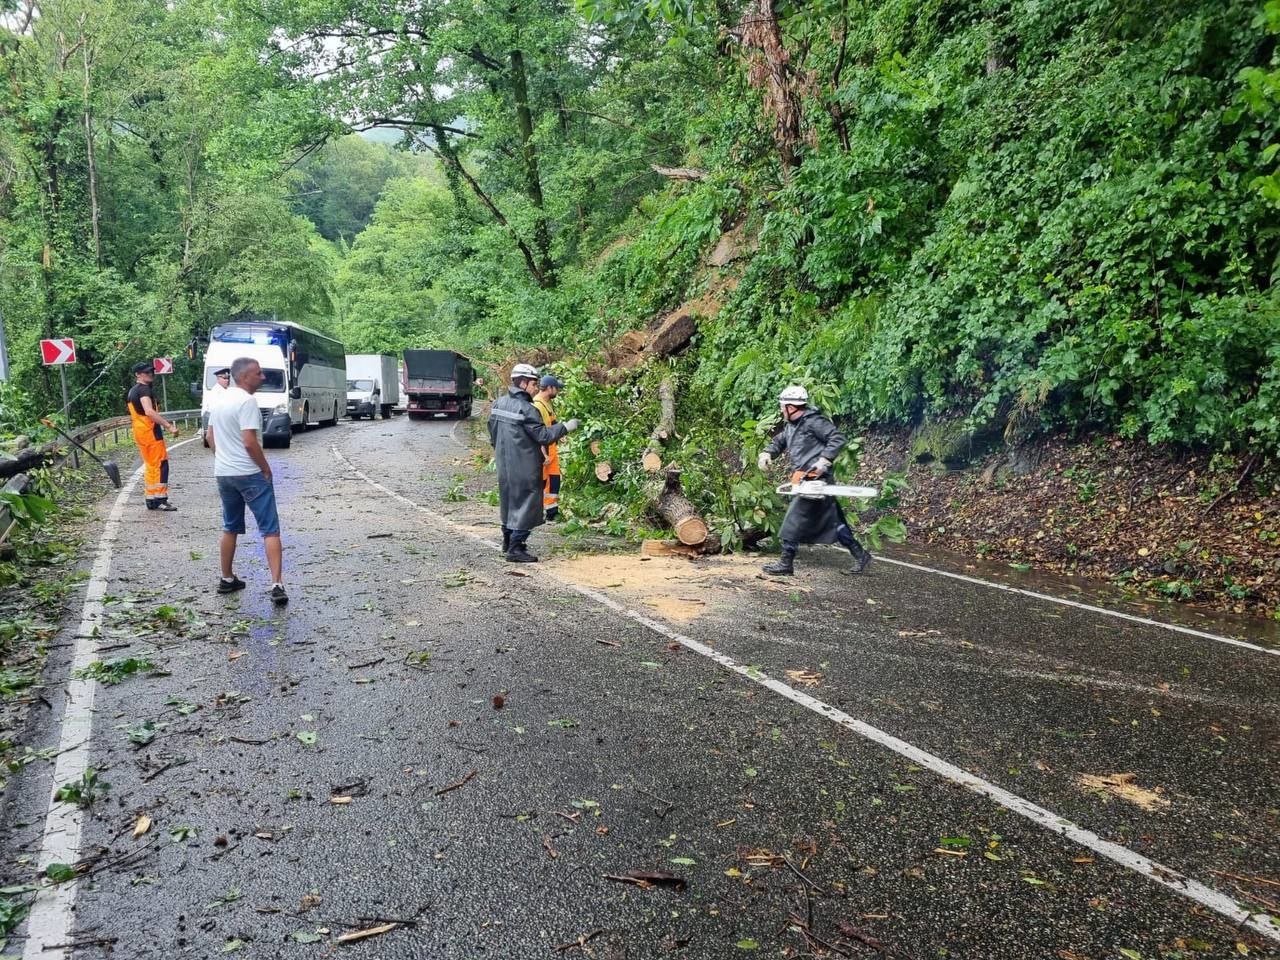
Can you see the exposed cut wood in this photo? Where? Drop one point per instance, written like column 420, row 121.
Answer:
column 680, row 513
column 596, row 448
column 679, row 173
column 667, row 548
column 666, row 426
column 604, row 471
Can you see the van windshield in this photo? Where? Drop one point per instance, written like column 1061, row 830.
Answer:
column 366, row 385
column 274, row 382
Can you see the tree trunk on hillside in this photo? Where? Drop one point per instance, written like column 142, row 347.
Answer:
column 532, row 179
column 652, row 458
column 94, row 214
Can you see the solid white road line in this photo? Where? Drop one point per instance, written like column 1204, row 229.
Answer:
column 50, row 920
column 1063, row 601
column 1123, row 856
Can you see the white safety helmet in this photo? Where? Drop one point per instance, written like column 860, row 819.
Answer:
column 795, row 396
column 524, row 371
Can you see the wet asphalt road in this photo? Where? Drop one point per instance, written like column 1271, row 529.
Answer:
column 492, row 832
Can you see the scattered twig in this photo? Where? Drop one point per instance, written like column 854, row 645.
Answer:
column 355, row 935
column 796, row 870
column 360, row 666
column 661, row 812
column 454, row 786
column 249, row 740
column 1244, row 475
column 552, row 852
column 379, row 536
column 579, row 944
column 607, row 643
column 1236, row 876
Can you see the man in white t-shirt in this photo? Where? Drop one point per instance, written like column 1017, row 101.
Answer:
column 244, row 476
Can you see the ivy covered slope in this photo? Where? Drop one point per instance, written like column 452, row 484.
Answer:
column 1036, row 215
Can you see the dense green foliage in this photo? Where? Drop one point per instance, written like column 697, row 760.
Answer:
column 1035, row 216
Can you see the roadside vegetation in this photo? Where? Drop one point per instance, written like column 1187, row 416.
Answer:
column 971, row 227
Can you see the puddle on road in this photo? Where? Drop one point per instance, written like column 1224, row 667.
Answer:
column 675, row 588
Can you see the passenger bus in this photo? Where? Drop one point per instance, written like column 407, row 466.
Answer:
column 306, row 373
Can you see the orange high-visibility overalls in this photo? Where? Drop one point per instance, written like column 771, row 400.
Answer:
column 551, row 466
column 150, row 440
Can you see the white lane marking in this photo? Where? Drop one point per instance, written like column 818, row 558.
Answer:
column 1165, row 876
column 1132, row 618
column 50, row 920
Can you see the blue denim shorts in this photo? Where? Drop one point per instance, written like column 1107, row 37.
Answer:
column 254, row 490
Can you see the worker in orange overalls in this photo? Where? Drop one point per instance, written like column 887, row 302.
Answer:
column 148, row 433
column 549, row 389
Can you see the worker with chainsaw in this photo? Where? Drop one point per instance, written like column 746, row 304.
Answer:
column 148, row 433
column 550, row 388
column 812, row 443
column 518, row 435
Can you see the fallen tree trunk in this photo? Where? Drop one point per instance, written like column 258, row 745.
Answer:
column 674, row 507
column 652, row 457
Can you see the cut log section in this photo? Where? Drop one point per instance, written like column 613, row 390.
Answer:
column 652, row 458
column 674, row 507
column 604, row 471
column 596, row 448
column 667, row 548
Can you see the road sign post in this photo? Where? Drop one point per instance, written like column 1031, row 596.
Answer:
column 66, row 409
column 60, row 352
column 163, row 366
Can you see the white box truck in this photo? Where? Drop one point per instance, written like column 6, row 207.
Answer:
column 373, row 385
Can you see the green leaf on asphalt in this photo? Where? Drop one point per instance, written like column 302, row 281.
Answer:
column 307, row 936
column 231, row 946
column 903, row 787
column 952, row 842
column 1021, row 567
column 59, row 872
column 747, row 944
column 992, row 856
column 307, row 737
column 1131, row 954
column 750, row 771
column 1034, row 881
column 181, row 833
column 684, row 861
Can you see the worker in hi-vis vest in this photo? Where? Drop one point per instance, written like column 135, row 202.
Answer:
column 548, row 389
column 148, row 433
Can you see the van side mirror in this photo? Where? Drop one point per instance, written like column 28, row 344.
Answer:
column 296, row 393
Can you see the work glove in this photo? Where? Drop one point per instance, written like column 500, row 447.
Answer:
column 571, row 425
column 821, row 466
column 764, row 460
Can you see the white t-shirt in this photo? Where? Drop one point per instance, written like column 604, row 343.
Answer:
column 213, row 396
column 235, row 410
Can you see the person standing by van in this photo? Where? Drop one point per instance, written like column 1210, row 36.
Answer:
column 244, row 477
column 149, row 426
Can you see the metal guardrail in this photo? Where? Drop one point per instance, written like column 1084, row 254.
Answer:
column 57, row 451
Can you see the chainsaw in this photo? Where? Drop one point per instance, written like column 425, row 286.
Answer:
column 804, row 485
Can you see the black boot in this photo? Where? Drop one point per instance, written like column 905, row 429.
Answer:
column 784, row 566
column 860, row 558
column 506, row 540
column 519, row 553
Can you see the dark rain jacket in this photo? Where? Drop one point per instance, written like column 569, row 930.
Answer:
column 518, row 435
column 805, row 439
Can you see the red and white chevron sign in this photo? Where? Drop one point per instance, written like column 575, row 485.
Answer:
column 55, row 352
column 163, row 364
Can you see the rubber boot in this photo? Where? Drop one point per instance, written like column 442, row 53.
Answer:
column 784, row 566
column 519, row 553
column 860, row 558
column 506, row 540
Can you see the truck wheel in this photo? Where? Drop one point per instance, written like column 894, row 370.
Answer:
column 386, row 411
